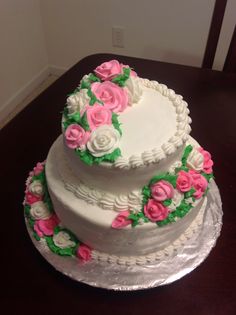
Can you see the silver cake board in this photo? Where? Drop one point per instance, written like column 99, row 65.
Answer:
column 167, row 270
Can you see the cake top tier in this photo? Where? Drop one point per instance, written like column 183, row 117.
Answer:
column 118, row 119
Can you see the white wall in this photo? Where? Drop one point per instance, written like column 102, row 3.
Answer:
column 23, row 56
column 166, row 30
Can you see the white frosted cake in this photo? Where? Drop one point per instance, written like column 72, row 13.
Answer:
column 124, row 183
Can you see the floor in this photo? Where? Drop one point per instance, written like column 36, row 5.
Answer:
column 46, row 83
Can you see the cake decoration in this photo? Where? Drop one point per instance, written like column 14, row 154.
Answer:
column 146, row 193
column 44, row 222
column 171, row 196
column 98, row 100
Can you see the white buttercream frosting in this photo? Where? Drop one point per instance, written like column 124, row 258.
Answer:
column 103, row 140
column 195, row 160
column 36, row 188
column 165, row 111
column 134, row 90
column 176, row 200
column 77, row 101
column 39, row 211
column 62, row 240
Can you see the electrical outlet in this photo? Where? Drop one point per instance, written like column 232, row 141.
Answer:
column 118, row 37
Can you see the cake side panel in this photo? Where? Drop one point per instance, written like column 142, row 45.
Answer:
column 92, row 225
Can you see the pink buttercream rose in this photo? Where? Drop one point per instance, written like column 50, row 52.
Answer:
column 208, row 163
column 46, row 227
column 31, row 198
column 108, row 70
column 162, row 190
column 155, row 211
column 84, row 252
column 38, row 168
column 121, row 220
column 98, row 115
column 184, row 181
column 76, row 136
column 199, row 184
column 113, row 96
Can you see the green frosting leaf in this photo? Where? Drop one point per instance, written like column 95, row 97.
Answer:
column 84, row 122
column 85, row 84
column 186, row 153
column 31, row 223
column 93, row 98
column 93, row 78
column 111, row 157
column 189, row 193
column 208, row 176
column 85, row 156
column 89, row 159
column 27, row 210
column 35, row 235
column 122, row 78
column 116, row 123
column 72, row 119
column 135, row 217
column 68, row 251
column 75, row 117
column 167, row 177
column 166, row 202
column 146, row 192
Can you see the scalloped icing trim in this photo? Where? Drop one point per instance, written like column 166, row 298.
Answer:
column 141, row 259
column 106, row 201
column 179, row 138
column 159, row 255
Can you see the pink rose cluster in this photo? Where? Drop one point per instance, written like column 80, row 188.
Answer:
column 109, row 70
column 113, row 97
column 37, row 169
column 207, row 161
column 46, row 226
column 154, row 209
column 188, row 180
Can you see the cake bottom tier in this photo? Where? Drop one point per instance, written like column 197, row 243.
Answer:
column 92, row 224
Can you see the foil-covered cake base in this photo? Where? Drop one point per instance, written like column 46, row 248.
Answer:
column 167, row 270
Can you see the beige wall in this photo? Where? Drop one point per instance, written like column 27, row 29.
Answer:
column 23, row 57
column 41, row 36
column 166, row 30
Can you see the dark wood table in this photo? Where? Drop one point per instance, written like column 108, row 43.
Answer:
column 29, row 283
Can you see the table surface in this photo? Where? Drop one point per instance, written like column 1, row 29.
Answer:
column 34, row 285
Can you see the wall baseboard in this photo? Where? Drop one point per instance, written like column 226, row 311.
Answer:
column 16, row 102
column 58, row 71
column 9, row 107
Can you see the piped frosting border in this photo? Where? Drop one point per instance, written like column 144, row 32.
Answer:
column 179, row 138
column 47, row 228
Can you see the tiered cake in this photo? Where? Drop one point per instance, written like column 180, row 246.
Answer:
column 124, row 183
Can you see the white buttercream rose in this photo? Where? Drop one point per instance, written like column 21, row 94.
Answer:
column 77, row 101
column 176, row 200
column 195, row 160
column 36, row 188
column 39, row 211
column 134, row 90
column 62, row 240
column 103, row 140
column 85, row 78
